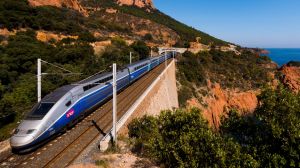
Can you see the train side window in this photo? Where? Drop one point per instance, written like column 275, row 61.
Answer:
column 85, row 88
column 68, row 103
column 40, row 110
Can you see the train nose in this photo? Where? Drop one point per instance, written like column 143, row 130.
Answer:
column 20, row 141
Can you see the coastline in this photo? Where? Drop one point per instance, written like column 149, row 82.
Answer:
column 282, row 56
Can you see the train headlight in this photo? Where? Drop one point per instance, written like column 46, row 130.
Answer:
column 30, row 131
column 16, row 131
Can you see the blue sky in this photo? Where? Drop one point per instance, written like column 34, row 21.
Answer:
column 250, row 23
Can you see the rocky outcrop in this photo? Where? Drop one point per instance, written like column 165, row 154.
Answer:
column 72, row 4
column 5, row 33
column 111, row 10
column 45, row 36
column 162, row 35
column 138, row 3
column 219, row 101
column 291, row 77
column 196, row 47
column 264, row 52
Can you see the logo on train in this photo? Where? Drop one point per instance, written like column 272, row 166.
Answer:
column 70, row 113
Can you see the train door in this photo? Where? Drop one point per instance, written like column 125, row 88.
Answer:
column 62, row 110
column 70, row 109
column 76, row 95
column 132, row 77
column 149, row 66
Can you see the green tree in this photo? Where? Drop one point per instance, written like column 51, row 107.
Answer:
column 118, row 42
column 186, row 45
column 2, row 88
column 183, row 139
column 148, row 37
column 141, row 48
column 87, row 37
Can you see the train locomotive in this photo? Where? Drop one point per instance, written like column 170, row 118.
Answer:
column 66, row 105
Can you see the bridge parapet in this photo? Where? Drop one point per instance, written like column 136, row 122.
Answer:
column 171, row 49
column 160, row 95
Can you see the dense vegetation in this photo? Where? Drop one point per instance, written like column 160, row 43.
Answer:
column 294, row 63
column 18, row 14
column 245, row 71
column 182, row 138
column 18, row 69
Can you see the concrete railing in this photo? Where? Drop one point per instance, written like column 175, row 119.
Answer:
column 178, row 50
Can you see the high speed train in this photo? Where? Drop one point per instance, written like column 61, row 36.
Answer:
column 68, row 104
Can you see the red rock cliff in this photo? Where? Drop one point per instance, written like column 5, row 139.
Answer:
column 138, row 3
column 219, row 101
column 291, row 77
column 72, row 4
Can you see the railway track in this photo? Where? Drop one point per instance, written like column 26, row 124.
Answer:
column 64, row 149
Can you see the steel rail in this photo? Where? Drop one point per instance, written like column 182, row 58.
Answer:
column 136, row 94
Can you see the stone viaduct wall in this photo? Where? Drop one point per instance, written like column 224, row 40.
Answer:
column 162, row 96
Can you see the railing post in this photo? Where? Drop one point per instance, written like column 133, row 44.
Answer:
column 39, row 80
column 173, row 54
column 114, row 103
column 130, row 57
column 166, row 59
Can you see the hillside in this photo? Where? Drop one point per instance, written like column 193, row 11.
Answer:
column 246, row 117
column 80, row 35
column 71, row 4
column 86, row 36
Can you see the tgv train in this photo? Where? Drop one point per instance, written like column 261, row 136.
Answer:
column 68, row 104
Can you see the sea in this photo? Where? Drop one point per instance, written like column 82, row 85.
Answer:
column 284, row 55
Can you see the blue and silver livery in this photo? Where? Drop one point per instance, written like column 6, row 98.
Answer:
column 68, row 104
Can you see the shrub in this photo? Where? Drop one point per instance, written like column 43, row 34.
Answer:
column 87, row 37
column 271, row 135
column 185, row 93
column 2, row 38
column 186, row 45
column 102, row 163
column 18, row 14
column 268, row 138
column 294, row 63
column 142, row 130
column 183, row 139
column 118, row 42
column 148, row 37
column 141, row 48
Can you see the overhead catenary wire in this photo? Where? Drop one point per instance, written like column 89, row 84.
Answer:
column 56, row 66
column 92, row 76
column 40, row 74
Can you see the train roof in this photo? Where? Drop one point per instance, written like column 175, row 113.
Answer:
column 60, row 92
column 138, row 62
column 94, row 77
column 57, row 94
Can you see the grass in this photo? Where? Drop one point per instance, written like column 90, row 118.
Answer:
column 102, row 163
column 112, row 149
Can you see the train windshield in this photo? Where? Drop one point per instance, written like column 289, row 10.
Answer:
column 39, row 111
